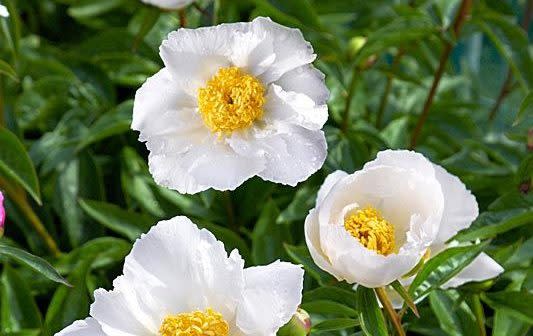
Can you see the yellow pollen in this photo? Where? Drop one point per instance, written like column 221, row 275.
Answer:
column 372, row 230
column 232, row 100
column 197, row 323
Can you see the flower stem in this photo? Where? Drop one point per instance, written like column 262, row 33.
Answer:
column 460, row 19
column 18, row 196
column 391, row 313
column 508, row 84
column 388, row 87
column 183, row 17
column 229, row 210
column 348, row 104
column 480, row 314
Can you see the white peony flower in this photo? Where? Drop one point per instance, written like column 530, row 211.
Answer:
column 233, row 101
column 179, row 280
column 169, row 4
column 373, row 226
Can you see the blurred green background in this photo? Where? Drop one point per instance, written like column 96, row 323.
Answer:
column 78, row 191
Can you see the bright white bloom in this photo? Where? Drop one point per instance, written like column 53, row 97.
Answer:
column 233, row 101
column 373, row 226
column 179, row 280
column 3, row 11
column 169, row 4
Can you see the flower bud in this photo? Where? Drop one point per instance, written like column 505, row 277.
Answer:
column 299, row 325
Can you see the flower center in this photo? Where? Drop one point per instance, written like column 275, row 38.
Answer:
column 371, row 229
column 231, row 100
column 197, row 323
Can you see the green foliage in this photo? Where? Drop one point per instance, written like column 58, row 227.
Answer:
column 78, row 190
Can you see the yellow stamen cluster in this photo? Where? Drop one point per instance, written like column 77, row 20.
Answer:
column 197, row 323
column 232, row 100
column 372, row 230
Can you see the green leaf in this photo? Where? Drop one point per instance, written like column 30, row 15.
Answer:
column 340, row 295
column 39, row 265
column 455, row 317
column 88, row 8
column 516, row 304
column 400, row 289
column 112, row 123
column 18, row 308
column 490, row 224
column 335, row 324
column 7, row 70
column 302, row 202
column 329, row 307
column 396, row 133
column 370, row 315
column 15, row 163
column 506, row 324
column 526, row 108
column 128, row 224
column 300, row 255
column 442, row 267
column 268, row 237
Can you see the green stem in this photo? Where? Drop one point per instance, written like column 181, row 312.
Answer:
column 389, row 310
column 18, row 196
column 349, row 98
column 480, row 314
column 229, row 210
column 462, row 15
column 388, row 87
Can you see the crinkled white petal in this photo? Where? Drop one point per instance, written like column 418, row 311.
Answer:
column 174, row 268
column 161, row 106
column 271, row 296
column 87, row 327
column 289, row 45
column 404, row 159
column 329, row 182
column 169, row 4
column 295, row 108
column 460, row 206
column 482, row 268
column 190, row 265
column 306, row 80
column 291, row 153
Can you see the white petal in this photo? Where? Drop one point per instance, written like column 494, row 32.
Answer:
column 208, row 163
column 161, row 106
column 167, row 171
column 194, row 55
column 312, row 239
column 187, row 268
column 289, row 45
column 252, row 52
column 87, row 327
column 329, row 182
column 271, row 297
column 307, row 80
column 169, row 4
column 291, row 153
column 460, row 206
column 294, row 108
column 121, row 312
column 403, row 159
column 482, row 268
column 293, row 156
